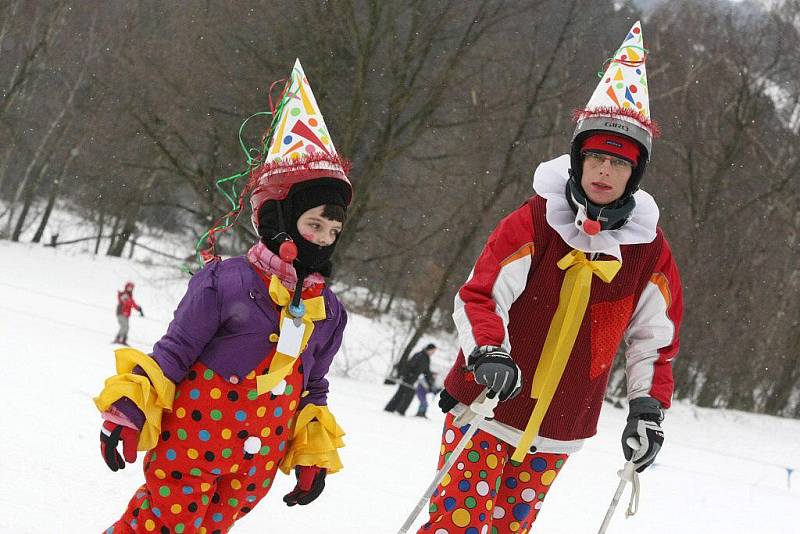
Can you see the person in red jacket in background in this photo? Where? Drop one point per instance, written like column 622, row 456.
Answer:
column 125, row 304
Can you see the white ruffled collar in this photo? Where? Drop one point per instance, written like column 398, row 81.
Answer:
column 550, row 182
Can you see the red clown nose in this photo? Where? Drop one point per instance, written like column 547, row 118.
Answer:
column 591, row 227
column 288, row 251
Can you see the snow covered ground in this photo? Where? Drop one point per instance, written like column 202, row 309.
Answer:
column 720, row 472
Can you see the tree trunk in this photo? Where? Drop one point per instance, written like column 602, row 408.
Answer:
column 33, row 59
column 41, row 151
column 100, row 224
column 55, row 189
column 29, row 196
column 114, row 236
column 51, row 202
column 131, row 216
column 121, row 239
column 779, row 396
column 4, row 169
column 132, row 248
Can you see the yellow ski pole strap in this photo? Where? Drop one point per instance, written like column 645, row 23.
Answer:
column 315, row 438
column 572, row 302
column 152, row 393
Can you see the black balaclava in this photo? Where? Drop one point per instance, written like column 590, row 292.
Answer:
column 277, row 219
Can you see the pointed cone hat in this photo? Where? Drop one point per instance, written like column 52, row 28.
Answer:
column 297, row 147
column 620, row 104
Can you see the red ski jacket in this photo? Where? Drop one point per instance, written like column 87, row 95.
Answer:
column 125, row 302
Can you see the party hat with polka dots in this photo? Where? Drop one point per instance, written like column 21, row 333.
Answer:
column 301, row 130
column 623, row 92
column 297, row 147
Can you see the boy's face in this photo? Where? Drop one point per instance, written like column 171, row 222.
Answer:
column 318, row 229
column 604, row 177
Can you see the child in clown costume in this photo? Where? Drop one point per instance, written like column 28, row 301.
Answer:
column 561, row 281
column 236, row 387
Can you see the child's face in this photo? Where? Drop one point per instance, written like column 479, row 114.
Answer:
column 318, row 229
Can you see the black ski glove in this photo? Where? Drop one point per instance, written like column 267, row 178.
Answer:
column 644, row 416
column 446, row 401
column 141, row 312
column 494, row 368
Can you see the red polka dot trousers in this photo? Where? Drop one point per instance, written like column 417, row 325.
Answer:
column 219, row 450
column 485, row 492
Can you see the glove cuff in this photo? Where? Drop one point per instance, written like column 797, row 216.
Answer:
column 314, row 441
column 152, row 393
column 483, row 351
column 646, row 408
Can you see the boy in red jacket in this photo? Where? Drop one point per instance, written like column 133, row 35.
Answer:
column 125, row 304
column 562, row 280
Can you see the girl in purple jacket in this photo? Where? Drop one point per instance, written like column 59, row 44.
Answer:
column 236, row 388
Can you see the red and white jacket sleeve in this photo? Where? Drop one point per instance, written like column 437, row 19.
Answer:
column 652, row 336
column 496, row 281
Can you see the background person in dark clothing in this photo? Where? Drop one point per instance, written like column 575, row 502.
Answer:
column 418, row 364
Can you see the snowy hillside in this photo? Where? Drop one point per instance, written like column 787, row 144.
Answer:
column 720, row 472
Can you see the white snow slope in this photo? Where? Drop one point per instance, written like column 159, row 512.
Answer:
column 720, row 472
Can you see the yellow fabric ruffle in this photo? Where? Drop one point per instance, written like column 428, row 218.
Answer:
column 561, row 335
column 315, row 438
column 152, row 394
column 282, row 364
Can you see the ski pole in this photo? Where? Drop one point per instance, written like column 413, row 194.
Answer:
column 626, row 474
column 482, row 408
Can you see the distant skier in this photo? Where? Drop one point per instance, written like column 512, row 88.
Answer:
column 125, row 304
column 561, row 281
column 423, row 388
column 418, row 364
column 236, row 388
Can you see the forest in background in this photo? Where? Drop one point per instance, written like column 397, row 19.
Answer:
column 126, row 114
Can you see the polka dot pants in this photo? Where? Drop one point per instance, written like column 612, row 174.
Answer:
column 485, row 492
column 219, row 450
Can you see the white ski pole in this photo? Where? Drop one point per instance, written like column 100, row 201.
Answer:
column 626, row 474
column 483, row 407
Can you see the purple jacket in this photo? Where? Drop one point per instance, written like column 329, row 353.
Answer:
column 224, row 321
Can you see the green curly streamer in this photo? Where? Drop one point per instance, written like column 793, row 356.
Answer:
column 233, row 195
column 643, row 51
column 251, row 161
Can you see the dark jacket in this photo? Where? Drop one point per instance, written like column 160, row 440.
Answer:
column 418, row 364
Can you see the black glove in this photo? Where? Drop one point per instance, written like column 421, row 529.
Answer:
column 446, row 401
column 644, row 416
column 141, row 313
column 310, row 483
column 494, row 368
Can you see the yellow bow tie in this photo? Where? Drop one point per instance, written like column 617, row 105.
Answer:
column 564, row 327
column 281, row 363
column 606, row 270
